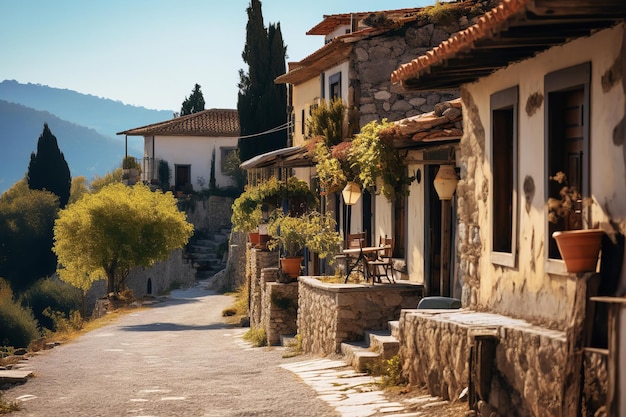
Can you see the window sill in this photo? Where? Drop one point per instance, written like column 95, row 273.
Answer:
column 503, row 259
column 556, row 267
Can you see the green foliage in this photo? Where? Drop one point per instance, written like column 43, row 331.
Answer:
column 64, row 323
column 193, row 104
column 327, row 122
column 54, row 295
column 246, row 208
column 18, row 327
column 389, row 370
column 106, row 234
column 164, row 173
column 374, row 157
column 8, row 407
column 26, row 231
column 112, row 177
column 79, row 188
column 256, row 336
column 233, row 170
column 48, row 169
column 212, row 181
column 259, row 97
column 130, row 162
column 330, row 170
column 312, row 230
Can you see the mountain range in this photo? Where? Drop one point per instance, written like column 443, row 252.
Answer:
column 85, row 127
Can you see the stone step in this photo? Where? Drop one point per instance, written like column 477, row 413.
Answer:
column 383, row 343
column 394, row 328
column 14, row 376
column 359, row 356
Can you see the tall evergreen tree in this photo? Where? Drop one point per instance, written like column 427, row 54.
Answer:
column 261, row 103
column 48, row 169
column 194, row 103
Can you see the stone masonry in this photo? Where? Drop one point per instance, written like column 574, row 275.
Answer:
column 279, row 306
column 329, row 314
column 373, row 59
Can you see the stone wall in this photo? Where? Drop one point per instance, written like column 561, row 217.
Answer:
column 233, row 276
column 372, row 60
column 529, row 373
column 279, row 306
column 329, row 314
column 174, row 272
column 211, row 214
column 257, row 260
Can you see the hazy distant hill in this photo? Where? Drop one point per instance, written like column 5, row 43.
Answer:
column 102, row 114
column 86, row 151
column 85, row 127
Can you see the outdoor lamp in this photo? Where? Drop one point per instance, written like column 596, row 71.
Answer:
column 445, row 182
column 351, row 193
column 265, row 216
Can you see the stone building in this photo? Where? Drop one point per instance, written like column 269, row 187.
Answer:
column 542, row 89
column 360, row 51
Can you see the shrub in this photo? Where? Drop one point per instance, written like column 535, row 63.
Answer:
column 53, row 294
column 256, row 336
column 18, row 327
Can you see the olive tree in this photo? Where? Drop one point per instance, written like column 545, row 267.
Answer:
column 105, row 234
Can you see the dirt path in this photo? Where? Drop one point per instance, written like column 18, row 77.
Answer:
column 178, row 358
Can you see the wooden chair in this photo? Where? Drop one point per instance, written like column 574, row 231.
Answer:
column 353, row 241
column 382, row 265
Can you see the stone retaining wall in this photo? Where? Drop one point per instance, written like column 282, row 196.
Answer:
column 279, row 306
column 257, row 260
column 329, row 314
column 529, row 374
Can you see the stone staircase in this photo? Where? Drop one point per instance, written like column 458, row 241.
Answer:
column 204, row 252
column 377, row 345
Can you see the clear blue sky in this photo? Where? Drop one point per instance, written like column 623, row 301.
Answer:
column 151, row 53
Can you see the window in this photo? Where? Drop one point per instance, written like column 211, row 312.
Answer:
column 504, row 168
column 303, row 123
column 567, row 142
column 334, row 86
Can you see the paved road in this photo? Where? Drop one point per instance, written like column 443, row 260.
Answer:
column 177, row 358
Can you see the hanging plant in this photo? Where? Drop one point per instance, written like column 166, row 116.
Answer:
column 373, row 156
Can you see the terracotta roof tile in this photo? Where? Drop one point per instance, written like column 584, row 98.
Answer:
column 213, row 122
column 488, row 24
column 330, row 22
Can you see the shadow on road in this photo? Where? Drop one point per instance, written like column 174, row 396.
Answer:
column 174, row 327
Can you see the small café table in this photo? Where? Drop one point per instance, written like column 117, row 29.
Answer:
column 360, row 254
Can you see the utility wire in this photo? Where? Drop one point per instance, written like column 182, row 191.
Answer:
column 275, row 129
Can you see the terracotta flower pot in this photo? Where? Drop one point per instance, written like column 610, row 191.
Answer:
column 290, row 265
column 579, row 249
column 254, row 238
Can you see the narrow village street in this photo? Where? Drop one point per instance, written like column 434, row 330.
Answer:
column 180, row 358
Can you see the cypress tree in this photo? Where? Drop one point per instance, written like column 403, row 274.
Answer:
column 261, row 103
column 193, row 104
column 48, row 169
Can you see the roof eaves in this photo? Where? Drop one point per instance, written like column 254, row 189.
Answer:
column 488, row 25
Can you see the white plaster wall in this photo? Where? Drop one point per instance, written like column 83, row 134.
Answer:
column 195, row 151
column 304, row 96
column 415, row 226
column 528, row 289
column 344, row 68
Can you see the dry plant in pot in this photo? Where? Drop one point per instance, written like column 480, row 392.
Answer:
column 579, row 247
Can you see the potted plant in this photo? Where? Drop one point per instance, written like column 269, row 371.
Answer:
column 293, row 233
column 247, row 215
column 579, row 247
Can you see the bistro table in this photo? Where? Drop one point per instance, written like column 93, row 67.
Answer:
column 360, row 254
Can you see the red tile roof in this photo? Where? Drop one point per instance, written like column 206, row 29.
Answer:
column 331, row 22
column 489, row 24
column 213, row 122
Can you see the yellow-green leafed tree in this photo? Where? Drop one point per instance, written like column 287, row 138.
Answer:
column 105, row 234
